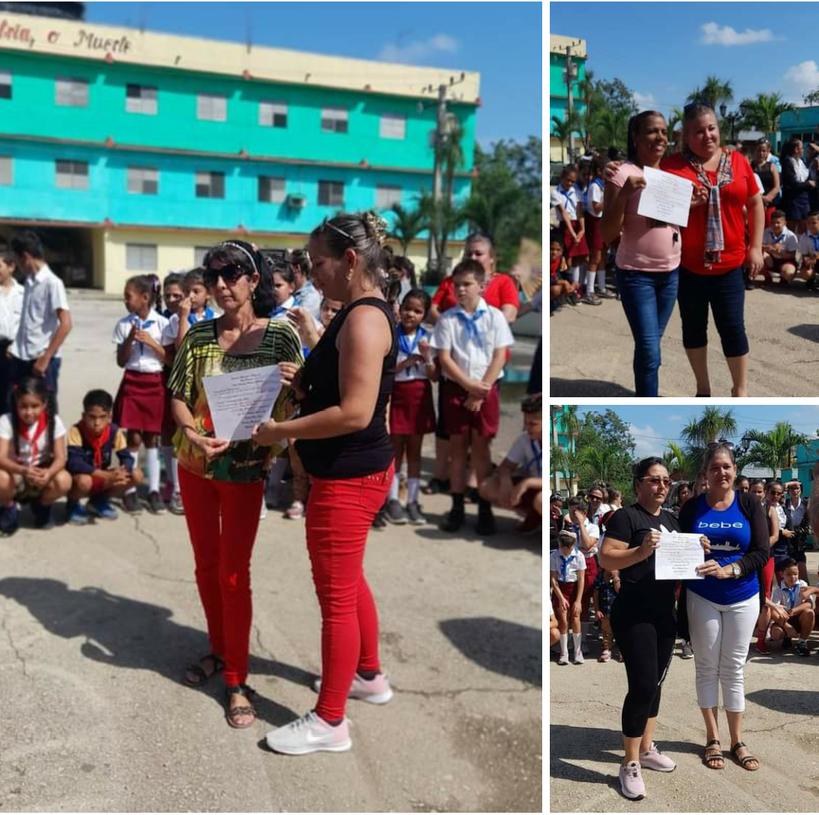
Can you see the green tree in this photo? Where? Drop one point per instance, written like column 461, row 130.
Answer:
column 605, row 449
column 714, row 91
column 682, row 465
column 563, row 128
column 713, row 425
column 610, row 128
column 763, row 111
column 407, row 225
column 775, row 448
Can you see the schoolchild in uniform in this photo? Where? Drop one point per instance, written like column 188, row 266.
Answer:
column 567, row 571
column 11, row 307
column 193, row 307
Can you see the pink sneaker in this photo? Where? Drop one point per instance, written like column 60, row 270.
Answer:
column 631, row 782
column 376, row 691
column 655, row 760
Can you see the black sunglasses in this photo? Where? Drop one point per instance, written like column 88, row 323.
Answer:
column 230, row 274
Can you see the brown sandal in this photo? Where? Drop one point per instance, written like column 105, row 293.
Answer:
column 233, row 713
column 713, row 754
column 745, row 760
column 196, row 675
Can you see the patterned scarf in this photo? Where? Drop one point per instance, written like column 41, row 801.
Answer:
column 714, row 237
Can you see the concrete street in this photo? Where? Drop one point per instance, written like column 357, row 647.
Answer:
column 782, row 711
column 592, row 349
column 98, row 622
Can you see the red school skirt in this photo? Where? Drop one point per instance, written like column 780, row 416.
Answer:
column 594, row 234
column 140, row 402
column 411, row 409
column 580, row 249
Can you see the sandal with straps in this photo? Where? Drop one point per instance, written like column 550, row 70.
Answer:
column 713, row 754
column 196, row 675
column 745, row 760
column 235, row 712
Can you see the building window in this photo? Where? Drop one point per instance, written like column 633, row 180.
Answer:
column 140, row 257
column 6, row 172
column 334, row 120
column 5, row 85
column 72, row 175
column 273, row 114
column 143, row 180
column 386, row 195
column 271, row 190
column 210, row 185
column 331, row 194
column 140, row 99
column 392, row 126
column 211, row 108
column 199, row 253
column 72, row 93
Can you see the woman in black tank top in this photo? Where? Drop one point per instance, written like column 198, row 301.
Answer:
column 343, row 442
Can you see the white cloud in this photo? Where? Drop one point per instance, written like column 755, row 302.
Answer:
column 714, row 34
column 801, row 79
column 644, row 101
column 647, row 441
column 419, row 50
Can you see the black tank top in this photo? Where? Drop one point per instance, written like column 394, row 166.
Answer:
column 765, row 176
column 353, row 454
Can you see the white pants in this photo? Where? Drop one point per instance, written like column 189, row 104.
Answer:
column 720, row 636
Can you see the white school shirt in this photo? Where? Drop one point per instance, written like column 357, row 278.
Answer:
column 787, row 239
column 567, row 566
column 171, row 330
column 308, row 297
column 527, row 454
column 29, row 455
column 808, row 245
column 43, row 295
column 418, row 371
column 593, row 531
column 789, row 598
column 11, row 308
column 593, row 195
column 143, row 359
column 280, row 312
column 567, row 199
column 471, row 354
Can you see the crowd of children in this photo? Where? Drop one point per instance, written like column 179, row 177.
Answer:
column 96, row 460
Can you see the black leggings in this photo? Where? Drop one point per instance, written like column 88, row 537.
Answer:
column 646, row 643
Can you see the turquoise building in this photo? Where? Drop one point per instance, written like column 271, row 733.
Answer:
column 134, row 151
column 559, row 85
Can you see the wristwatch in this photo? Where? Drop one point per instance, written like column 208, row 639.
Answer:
column 735, row 570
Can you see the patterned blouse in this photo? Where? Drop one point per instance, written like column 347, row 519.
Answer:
column 200, row 355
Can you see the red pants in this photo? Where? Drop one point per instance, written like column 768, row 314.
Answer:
column 339, row 515
column 222, row 518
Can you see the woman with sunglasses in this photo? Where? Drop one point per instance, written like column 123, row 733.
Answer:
column 343, row 442
column 222, row 482
column 642, row 617
column 768, row 175
column 723, row 607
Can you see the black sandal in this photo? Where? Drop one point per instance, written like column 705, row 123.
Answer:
column 201, row 676
column 743, row 762
column 713, row 755
column 233, row 713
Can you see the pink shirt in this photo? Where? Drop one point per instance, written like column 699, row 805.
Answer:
column 645, row 245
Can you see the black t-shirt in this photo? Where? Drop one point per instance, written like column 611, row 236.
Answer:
column 637, row 583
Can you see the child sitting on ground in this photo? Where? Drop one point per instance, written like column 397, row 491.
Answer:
column 561, row 290
column 779, row 246
column 567, row 572
column 92, row 444
column 517, row 482
column 808, row 250
column 32, row 455
column 791, row 607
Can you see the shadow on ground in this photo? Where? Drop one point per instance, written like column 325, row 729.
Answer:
column 132, row 634
column 802, row 702
column 505, row 648
column 586, row 387
column 807, row 331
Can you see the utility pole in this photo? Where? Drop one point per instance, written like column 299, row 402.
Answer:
column 569, row 100
column 433, row 261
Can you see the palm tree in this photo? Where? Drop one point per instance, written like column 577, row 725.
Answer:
column 598, row 463
column 763, row 112
column 682, row 465
column 774, row 449
column 444, row 218
column 563, row 128
column 407, row 225
column 610, row 127
column 711, row 426
column 485, row 214
column 712, row 92
column 675, row 120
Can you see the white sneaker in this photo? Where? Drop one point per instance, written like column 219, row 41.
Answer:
column 687, row 651
column 309, row 734
column 563, row 659
column 578, row 657
column 376, row 691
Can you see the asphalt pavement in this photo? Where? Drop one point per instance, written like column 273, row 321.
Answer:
column 98, row 622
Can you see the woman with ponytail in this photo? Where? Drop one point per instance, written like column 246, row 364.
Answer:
column 222, row 482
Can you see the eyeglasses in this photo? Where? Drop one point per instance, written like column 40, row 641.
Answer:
column 595, row 498
column 712, row 445
column 230, row 274
column 656, row 481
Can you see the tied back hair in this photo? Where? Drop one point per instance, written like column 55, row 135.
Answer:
column 147, row 284
column 34, row 386
column 635, row 125
column 248, row 258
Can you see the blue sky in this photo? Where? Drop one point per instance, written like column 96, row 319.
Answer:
column 500, row 40
column 662, row 51
column 652, row 426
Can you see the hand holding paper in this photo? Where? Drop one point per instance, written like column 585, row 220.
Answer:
column 666, row 197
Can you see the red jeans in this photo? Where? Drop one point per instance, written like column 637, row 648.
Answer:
column 339, row 515
column 222, row 518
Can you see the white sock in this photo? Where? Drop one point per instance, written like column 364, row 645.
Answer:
column 413, row 488
column 396, row 481
column 152, row 468
column 601, row 280
column 577, row 639
column 590, row 283
column 564, row 645
column 175, row 475
column 574, row 272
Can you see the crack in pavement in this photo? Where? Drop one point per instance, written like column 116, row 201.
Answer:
column 451, row 694
column 147, row 535
column 14, row 648
column 781, row 725
column 167, row 579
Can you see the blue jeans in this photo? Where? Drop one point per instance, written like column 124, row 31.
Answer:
column 648, row 299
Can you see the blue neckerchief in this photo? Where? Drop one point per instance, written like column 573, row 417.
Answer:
column 599, row 181
column 470, row 323
column 778, row 238
column 404, row 344
column 567, row 194
column 537, row 458
column 792, row 593
column 141, row 326
column 207, row 314
column 564, row 567
column 305, row 351
column 815, row 240
column 283, row 308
